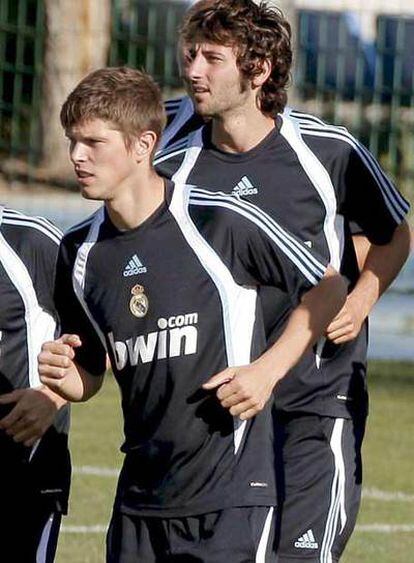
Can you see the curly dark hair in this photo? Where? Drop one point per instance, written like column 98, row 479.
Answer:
column 258, row 32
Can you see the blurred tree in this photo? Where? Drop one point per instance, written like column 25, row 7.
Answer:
column 77, row 42
column 288, row 9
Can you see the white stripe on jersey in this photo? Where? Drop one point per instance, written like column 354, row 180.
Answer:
column 173, row 150
column 311, row 268
column 24, row 221
column 393, row 199
column 171, row 105
column 390, row 193
column 321, row 180
column 306, row 116
column 85, row 222
column 51, row 229
column 79, row 267
column 238, row 302
column 337, row 509
column 40, row 325
column 184, row 112
column 194, row 148
column 318, row 175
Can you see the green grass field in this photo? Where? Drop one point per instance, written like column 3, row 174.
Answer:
column 385, row 532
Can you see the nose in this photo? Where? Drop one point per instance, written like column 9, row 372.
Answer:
column 194, row 68
column 77, row 152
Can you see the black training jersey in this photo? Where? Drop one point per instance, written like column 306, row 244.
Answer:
column 322, row 184
column 174, row 302
column 28, row 251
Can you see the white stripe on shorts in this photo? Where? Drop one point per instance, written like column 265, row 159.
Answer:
column 337, row 506
column 41, row 554
column 264, row 539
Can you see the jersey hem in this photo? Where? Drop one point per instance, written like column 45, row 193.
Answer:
column 205, row 508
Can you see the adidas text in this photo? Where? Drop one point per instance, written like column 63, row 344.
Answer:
column 134, row 267
column 244, row 191
column 307, row 541
column 244, row 187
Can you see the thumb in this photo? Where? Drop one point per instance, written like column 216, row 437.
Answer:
column 72, row 340
column 219, row 379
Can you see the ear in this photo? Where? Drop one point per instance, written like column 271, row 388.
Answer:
column 265, row 71
column 144, row 144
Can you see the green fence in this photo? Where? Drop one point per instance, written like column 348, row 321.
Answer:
column 144, row 34
column 21, row 56
column 369, row 87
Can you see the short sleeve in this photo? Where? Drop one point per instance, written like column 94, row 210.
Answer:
column 73, row 319
column 371, row 203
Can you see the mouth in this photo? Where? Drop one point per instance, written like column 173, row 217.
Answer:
column 84, row 177
column 198, row 90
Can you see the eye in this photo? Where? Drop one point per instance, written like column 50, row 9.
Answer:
column 94, row 142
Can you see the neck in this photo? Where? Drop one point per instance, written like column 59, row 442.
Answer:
column 133, row 205
column 240, row 132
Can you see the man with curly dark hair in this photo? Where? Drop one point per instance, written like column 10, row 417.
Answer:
column 262, row 37
column 325, row 187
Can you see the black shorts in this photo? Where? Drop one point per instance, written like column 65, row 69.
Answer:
column 29, row 520
column 233, row 535
column 29, row 535
column 319, row 474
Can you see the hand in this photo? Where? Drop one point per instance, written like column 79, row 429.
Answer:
column 32, row 415
column 347, row 324
column 243, row 390
column 56, row 360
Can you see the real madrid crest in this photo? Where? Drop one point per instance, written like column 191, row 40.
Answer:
column 138, row 304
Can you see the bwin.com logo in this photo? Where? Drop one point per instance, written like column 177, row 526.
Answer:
column 134, row 267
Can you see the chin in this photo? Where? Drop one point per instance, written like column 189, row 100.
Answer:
column 89, row 193
column 202, row 110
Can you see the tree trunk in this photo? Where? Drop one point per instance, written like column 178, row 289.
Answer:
column 78, row 36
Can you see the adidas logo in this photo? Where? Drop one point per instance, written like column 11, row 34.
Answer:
column 134, row 267
column 244, row 187
column 307, row 541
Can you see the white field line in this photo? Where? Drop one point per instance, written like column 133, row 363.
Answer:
column 97, row 529
column 385, row 528
column 98, row 471
column 368, row 493
column 377, row 494
column 377, row 528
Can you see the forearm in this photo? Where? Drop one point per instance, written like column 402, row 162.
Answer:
column 380, row 266
column 77, row 385
column 305, row 325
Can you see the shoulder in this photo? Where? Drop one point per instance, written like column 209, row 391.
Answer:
column 334, row 140
column 81, row 231
column 173, row 106
column 35, row 230
column 181, row 120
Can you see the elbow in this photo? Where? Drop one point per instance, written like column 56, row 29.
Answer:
column 404, row 237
